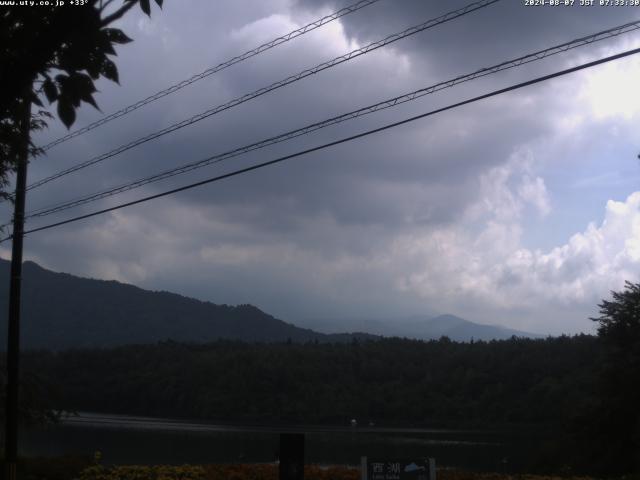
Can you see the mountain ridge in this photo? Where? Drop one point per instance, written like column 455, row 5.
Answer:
column 60, row 311
column 424, row 328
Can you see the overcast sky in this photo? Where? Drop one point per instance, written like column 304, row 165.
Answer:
column 521, row 210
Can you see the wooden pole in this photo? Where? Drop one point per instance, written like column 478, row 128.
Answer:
column 291, row 456
column 13, row 336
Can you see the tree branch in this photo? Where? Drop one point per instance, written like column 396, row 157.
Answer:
column 104, row 6
column 118, row 13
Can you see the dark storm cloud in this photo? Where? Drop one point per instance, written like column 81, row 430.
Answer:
column 289, row 108
column 322, row 229
column 492, row 34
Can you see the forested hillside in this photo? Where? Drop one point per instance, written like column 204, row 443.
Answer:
column 520, row 381
column 558, row 390
column 64, row 311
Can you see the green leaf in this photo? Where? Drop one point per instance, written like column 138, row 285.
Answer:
column 83, row 83
column 115, row 35
column 36, row 100
column 106, row 46
column 66, row 112
column 88, row 98
column 80, row 87
column 146, row 8
column 110, row 71
column 74, row 56
column 94, row 65
column 50, row 90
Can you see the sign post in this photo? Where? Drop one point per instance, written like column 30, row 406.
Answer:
column 291, row 456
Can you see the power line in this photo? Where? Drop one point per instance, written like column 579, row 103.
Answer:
column 279, row 84
column 337, row 142
column 210, row 71
column 539, row 55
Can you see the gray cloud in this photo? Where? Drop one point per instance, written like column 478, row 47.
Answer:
column 394, row 223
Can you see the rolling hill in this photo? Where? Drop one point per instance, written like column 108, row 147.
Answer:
column 62, row 311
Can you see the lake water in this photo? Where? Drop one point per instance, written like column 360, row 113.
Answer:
column 140, row 440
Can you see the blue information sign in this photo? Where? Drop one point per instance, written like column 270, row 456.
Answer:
column 398, row 469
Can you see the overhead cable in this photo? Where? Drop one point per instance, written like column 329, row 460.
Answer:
column 389, row 103
column 210, row 71
column 334, row 143
column 279, row 84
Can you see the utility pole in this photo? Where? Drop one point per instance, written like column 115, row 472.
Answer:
column 291, row 456
column 13, row 337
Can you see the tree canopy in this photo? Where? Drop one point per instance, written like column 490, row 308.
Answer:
column 616, row 419
column 54, row 54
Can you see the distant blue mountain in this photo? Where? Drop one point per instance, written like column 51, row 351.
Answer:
column 462, row 330
column 422, row 328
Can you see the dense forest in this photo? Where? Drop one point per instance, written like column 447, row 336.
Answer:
column 581, row 390
column 540, row 386
column 389, row 381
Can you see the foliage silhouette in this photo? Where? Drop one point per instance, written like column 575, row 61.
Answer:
column 53, row 53
column 616, row 418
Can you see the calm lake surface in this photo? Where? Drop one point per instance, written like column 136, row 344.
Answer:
column 141, row 440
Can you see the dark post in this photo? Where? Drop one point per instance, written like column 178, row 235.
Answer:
column 291, row 456
column 13, row 337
